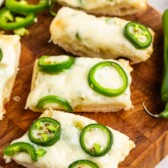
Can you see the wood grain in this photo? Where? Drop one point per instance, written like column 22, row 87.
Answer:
column 150, row 135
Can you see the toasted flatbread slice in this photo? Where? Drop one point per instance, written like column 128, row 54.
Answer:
column 68, row 149
column 88, row 36
column 105, row 7
column 10, row 47
column 72, row 85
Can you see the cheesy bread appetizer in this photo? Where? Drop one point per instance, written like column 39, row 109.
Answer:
column 63, row 140
column 106, row 7
column 80, row 84
column 89, row 36
column 10, row 49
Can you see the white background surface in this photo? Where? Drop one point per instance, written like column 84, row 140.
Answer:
column 160, row 5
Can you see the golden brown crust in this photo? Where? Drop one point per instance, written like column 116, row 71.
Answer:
column 8, row 89
column 117, row 10
column 105, row 108
column 95, row 108
column 8, row 86
column 34, row 76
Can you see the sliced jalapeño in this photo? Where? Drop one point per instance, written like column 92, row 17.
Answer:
column 107, row 91
column 52, row 101
column 22, row 6
column 83, row 164
column 18, row 147
column 53, row 64
column 10, row 20
column 96, row 139
column 45, row 131
column 138, row 35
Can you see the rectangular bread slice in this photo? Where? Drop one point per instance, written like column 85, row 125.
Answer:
column 68, row 149
column 10, row 49
column 106, row 7
column 89, row 36
column 72, row 85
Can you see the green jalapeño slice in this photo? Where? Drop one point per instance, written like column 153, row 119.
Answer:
column 10, row 20
column 22, row 6
column 99, row 76
column 83, row 164
column 53, row 64
column 96, row 139
column 45, row 131
column 138, row 35
column 55, row 102
column 18, row 147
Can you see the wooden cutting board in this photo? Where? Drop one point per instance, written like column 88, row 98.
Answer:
column 150, row 135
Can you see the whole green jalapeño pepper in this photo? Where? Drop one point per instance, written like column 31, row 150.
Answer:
column 83, row 163
column 45, row 131
column 138, row 35
column 111, row 92
column 18, row 147
column 49, row 100
column 52, row 64
column 164, row 85
column 98, row 147
column 9, row 21
column 1, row 54
column 22, row 6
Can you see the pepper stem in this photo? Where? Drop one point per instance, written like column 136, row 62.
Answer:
column 163, row 114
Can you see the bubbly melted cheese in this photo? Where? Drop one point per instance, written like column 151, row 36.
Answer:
column 10, row 47
column 96, row 4
column 87, row 35
column 72, row 84
column 104, row 78
column 68, row 149
column 95, row 135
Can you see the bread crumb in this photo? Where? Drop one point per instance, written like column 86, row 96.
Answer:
column 16, row 98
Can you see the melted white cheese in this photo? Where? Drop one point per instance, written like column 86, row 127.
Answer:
column 99, row 37
column 95, row 136
column 72, row 85
column 108, row 77
column 11, row 48
column 68, row 149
